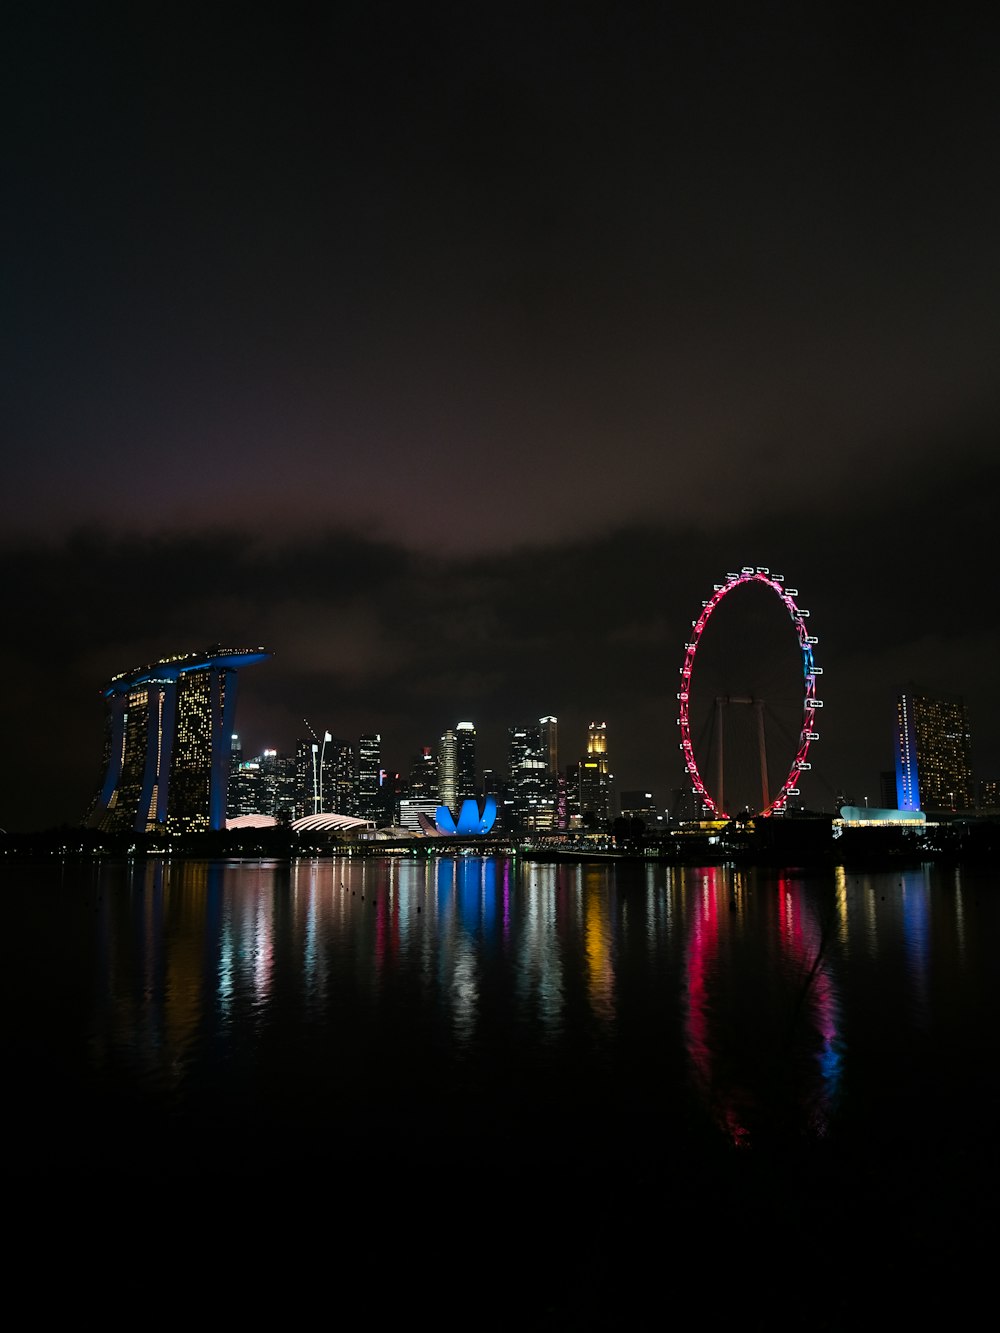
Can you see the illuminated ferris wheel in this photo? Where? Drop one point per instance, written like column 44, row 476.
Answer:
column 748, row 696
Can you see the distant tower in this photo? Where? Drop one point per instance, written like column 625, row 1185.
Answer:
column 338, row 783
column 285, row 787
column 268, row 799
column 933, row 748
column 423, row 780
column 370, row 775
column 306, row 778
column 421, row 791
column 531, row 780
column 170, row 743
column 595, row 777
column 525, row 774
column 235, row 760
column 447, row 757
column 597, row 738
column 245, row 790
column 549, row 728
column 466, row 782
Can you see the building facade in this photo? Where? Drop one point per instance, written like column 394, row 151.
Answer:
column 370, row 803
column 466, row 781
column 549, row 731
column 595, row 778
column 447, row 767
column 169, row 746
column 531, row 798
column 933, row 754
column 422, row 784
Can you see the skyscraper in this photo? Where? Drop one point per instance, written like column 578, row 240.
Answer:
column 549, row 729
column 338, row 778
column 525, row 773
column 421, row 790
column 457, row 765
column 531, row 776
column 370, row 804
column 595, row 777
column 447, row 764
column 423, row 779
column 933, row 754
column 306, row 778
column 233, row 799
column 262, row 785
column 597, row 738
column 168, row 748
column 467, row 785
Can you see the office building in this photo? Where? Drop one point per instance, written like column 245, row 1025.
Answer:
column 169, row 743
column 530, row 801
column 933, row 754
column 232, row 787
column 597, row 738
column 416, row 814
column 370, row 803
column 338, row 782
column 245, row 793
column 456, row 763
column 549, row 730
column 306, row 778
column 595, row 778
column 466, row 783
column 641, row 805
column 447, row 766
column 262, row 785
column 423, row 779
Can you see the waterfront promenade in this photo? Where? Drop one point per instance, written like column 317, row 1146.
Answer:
column 818, row 840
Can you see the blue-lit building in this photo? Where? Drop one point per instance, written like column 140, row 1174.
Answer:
column 168, row 750
column 933, row 754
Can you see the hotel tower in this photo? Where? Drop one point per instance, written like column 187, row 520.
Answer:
column 933, row 754
column 168, row 743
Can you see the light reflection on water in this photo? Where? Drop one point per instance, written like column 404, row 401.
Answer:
column 770, row 1005
column 621, row 1088
column 766, row 1050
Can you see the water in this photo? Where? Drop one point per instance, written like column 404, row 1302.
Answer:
column 575, row 1087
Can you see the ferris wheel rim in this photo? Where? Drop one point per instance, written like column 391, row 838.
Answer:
column 752, row 574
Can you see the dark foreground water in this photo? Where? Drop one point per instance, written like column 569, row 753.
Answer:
column 494, row 1094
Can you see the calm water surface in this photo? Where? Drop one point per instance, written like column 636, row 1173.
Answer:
column 591, row 1076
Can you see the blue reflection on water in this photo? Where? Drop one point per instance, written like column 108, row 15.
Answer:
column 745, row 997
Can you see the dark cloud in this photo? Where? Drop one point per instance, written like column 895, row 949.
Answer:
column 338, row 269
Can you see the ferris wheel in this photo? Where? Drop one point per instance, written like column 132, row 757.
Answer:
column 706, row 762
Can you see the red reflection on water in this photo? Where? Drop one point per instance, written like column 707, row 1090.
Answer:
column 761, row 1029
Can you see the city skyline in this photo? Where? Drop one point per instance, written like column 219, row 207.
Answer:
column 458, row 356
column 277, row 708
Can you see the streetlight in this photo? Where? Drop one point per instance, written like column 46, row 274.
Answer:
column 326, row 737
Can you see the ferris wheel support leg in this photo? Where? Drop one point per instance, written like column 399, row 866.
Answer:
column 759, row 708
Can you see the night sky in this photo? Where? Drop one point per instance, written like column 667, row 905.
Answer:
column 453, row 353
